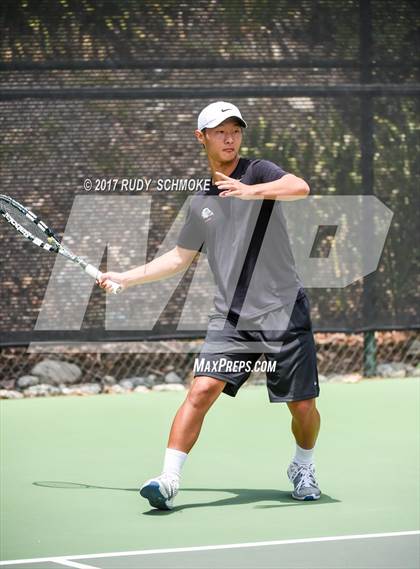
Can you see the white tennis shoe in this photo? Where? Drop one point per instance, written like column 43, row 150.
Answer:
column 303, row 478
column 161, row 491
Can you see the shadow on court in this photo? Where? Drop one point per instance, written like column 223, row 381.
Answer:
column 243, row 496
column 240, row 496
column 64, row 485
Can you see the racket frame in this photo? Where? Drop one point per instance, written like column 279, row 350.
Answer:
column 52, row 243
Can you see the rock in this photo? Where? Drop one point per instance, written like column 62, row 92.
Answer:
column 172, row 377
column 137, row 381
column 352, row 377
column 116, row 389
column 416, row 372
column 82, row 389
column 399, row 373
column 412, row 371
column 153, row 378
column 394, row 369
column 10, row 394
column 141, row 389
column 41, row 390
column 335, row 378
column 126, row 384
column 90, row 388
column 109, row 380
column 169, row 387
column 54, row 372
column 27, row 381
column 340, row 378
column 7, row 384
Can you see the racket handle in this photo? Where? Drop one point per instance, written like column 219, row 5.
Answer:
column 96, row 274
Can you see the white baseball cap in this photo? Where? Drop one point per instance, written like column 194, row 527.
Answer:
column 215, row 113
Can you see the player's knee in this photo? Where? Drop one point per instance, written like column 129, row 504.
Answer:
column 301, row 409
column 203, row 392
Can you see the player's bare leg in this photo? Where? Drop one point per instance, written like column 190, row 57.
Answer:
column 186, row 427
column 188, row 421
column 306, row 422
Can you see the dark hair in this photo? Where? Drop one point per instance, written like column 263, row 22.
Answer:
column 203, row 130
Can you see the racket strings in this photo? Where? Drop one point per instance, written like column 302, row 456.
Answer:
column 27, row 223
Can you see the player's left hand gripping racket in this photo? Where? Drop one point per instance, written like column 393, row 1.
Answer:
column 36, row 231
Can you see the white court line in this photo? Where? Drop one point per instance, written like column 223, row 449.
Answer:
column 211, row 547
column 69, row 563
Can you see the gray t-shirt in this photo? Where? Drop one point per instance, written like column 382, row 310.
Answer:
column 247, row 245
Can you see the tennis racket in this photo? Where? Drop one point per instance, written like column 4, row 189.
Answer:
column 33, row 229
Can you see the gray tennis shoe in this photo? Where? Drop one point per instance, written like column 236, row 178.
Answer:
column 303, row 478
column 160, row 491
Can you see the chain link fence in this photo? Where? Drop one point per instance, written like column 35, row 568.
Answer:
column 339, row 354
column 330, row 91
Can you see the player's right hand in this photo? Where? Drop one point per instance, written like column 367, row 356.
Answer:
column 105, row 278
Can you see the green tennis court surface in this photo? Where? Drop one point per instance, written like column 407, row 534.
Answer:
column 71, row 468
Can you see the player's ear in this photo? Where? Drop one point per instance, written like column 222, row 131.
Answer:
column 199, row 134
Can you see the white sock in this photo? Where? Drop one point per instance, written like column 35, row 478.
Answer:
column 174, row 461
column 304, row 456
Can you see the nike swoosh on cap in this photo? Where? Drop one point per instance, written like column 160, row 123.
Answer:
column 224, row 110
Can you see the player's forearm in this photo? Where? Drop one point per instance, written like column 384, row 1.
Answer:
column 162, row 267
column 289, row 187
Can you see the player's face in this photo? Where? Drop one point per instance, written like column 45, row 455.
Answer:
column 222, row 143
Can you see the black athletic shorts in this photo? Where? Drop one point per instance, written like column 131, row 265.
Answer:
column 284, row 336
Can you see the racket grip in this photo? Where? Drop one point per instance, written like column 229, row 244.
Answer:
column 96, row 274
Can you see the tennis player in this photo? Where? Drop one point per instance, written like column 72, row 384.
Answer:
column 239, row 223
